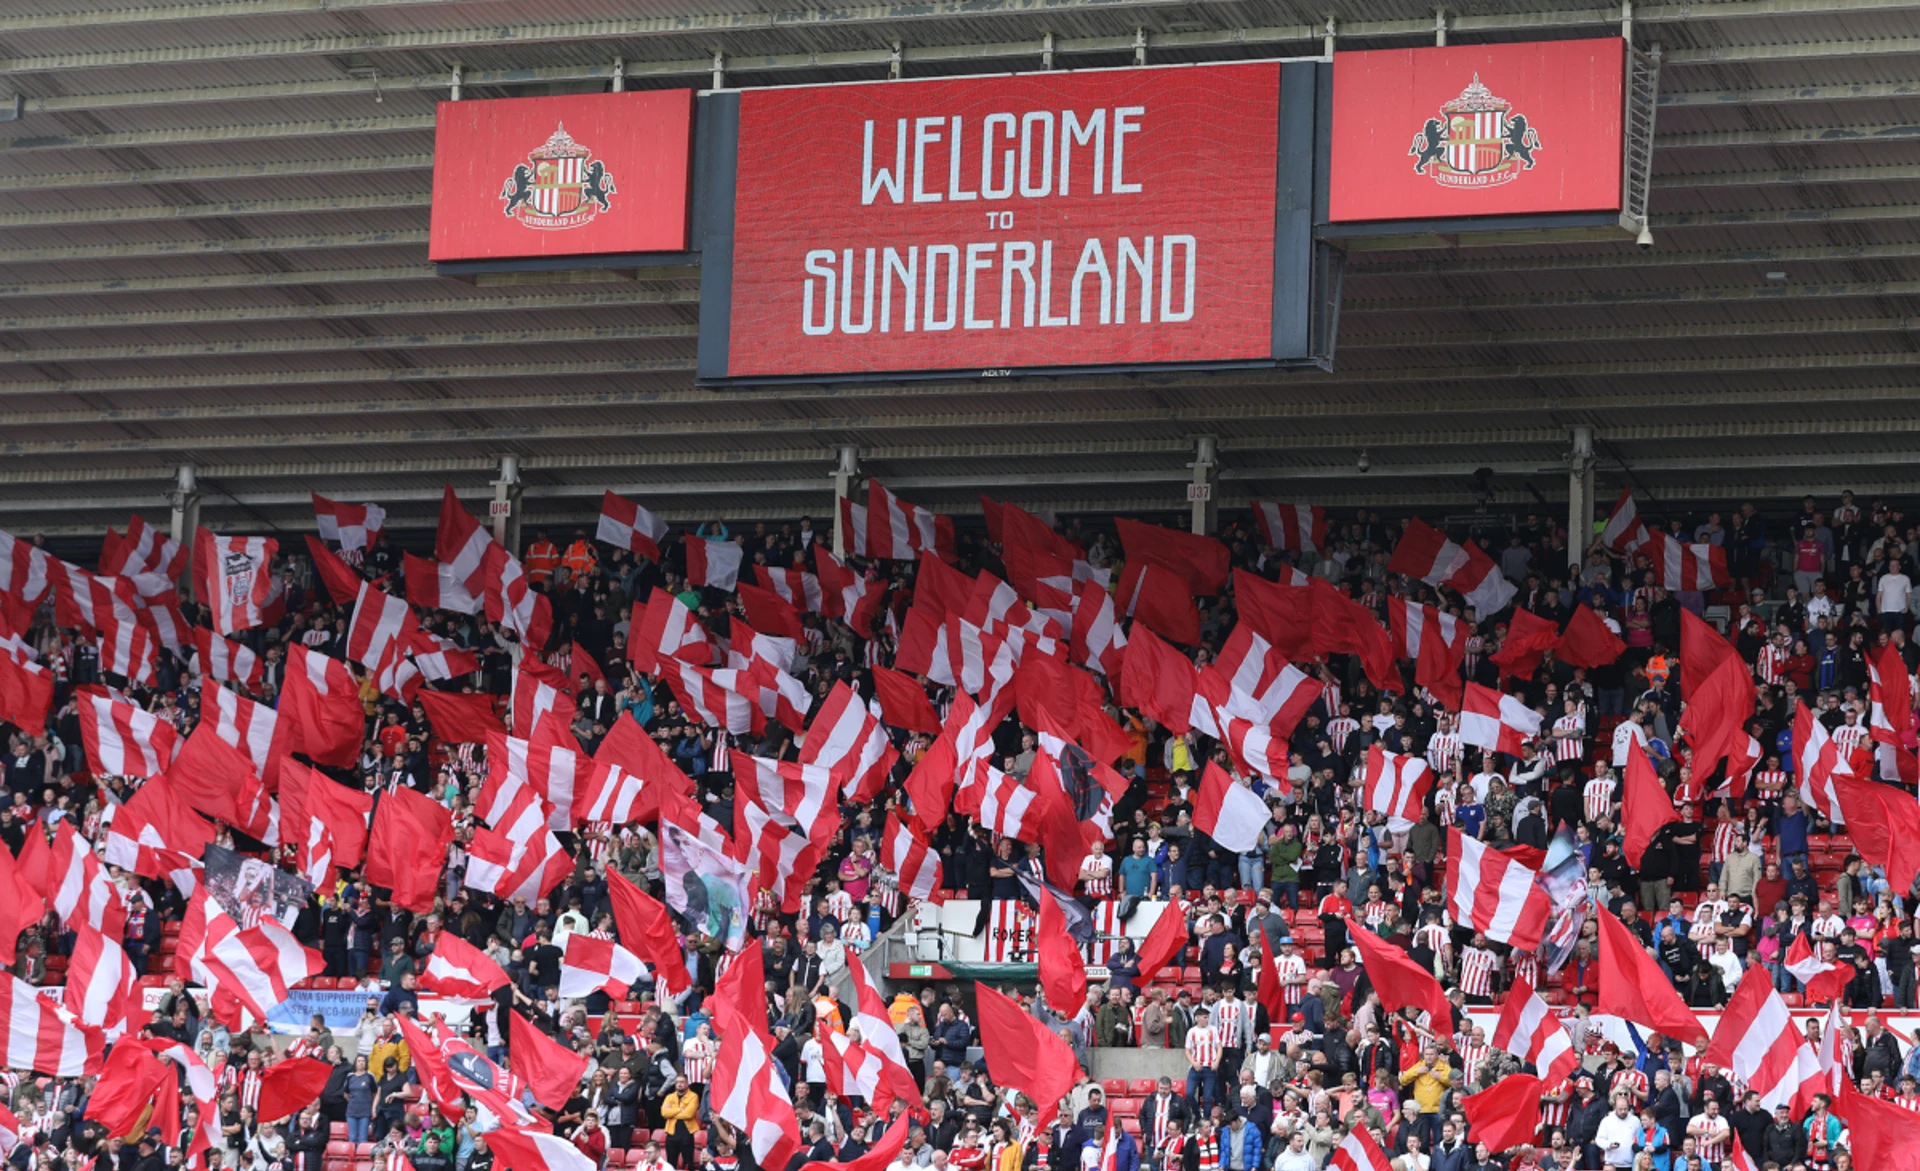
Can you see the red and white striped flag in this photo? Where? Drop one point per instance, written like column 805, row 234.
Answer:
column 1490, row 892
column 457, row 968
column 1820, row 758
column 377, row 638
column 144, row 550
column 538, row 689
column 797, row 588
column 1358, row 1152
column 1426, row 553
column 804, row 793
column 1624, row 530
column 713, row 564
column 1293, row 527
column 255, row 965
column 1529, row 1030
column 1680, row 565
column 777, row 847
column 533, row 1150
column 593, row 965
column 490, row 573
column 912, row 860
column 122, row 740
column 1497, row 721
column 900, row 531
column 626, row 525
column 241, row 722
column 518, row 857
column 748, row 1091
column 25, row 577
column 43, row 1037
column 549, row 765
column 354, row 526
column 726, row 698
column 1756, row 1041
column 433, row 585
column 853, row 528
column 72, row 880
column 1265, row 688
column 1000, row 802
column 1228, row 812
column 1396, row 784
column 226, row 660
column 664, row 628
column 102, row 987
column 1098, row 643
column 233, row 578
column 438, row 658
column 846, row 738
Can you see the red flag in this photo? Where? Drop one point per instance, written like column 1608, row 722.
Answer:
column 1024, row 1054
column 1885, row 826
column 290, row 1086
column 1886, row 1137
column 1400, row 982
column 883, row 1153
column 904, row 703
column 1201, row 561
column 26, row 692
column 20, row 905
column 1719, row 688
column 1063, row 969
column 407, row 848
column 645, row 930
column 1158, row 598
column 1271, row 994
column 1587, row 642
column 769, row 613
column 1644, row 808
column 1507, row 1113
column 1167, row 940
column 1633, row 986
column 458, row 718
column 123, row 1098
column 323, row 702
column 580, row 661
column 1343, row 625
column 1157, row 680
column 552, row 1070
column 1529, row 638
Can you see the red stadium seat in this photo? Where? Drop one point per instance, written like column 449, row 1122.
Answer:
column 1114, row 1086
column 337, row 1149
column 1143, row 1087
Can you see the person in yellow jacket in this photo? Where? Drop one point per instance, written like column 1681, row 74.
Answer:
column 542, row 558
column 390, row 1048
column 1429, row 1077
column 680, row 1110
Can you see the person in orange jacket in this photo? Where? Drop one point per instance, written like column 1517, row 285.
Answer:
column 542, row 558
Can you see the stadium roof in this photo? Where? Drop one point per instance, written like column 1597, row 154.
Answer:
column 213, row 240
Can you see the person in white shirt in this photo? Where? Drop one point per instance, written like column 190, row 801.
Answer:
column 1631, row 734
column 1728, row 963
column 832, row 952
column 1615, row 1136
column 1890, row 594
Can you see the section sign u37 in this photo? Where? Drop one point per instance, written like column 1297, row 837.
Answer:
column 1089, row 219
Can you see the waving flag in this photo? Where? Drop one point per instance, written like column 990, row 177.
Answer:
column 1395, row 784
column 1492, row 893
column 1496, row 721
column 1757, row 1042
column 1293, row 527
column 1529, row 1030
column 144, row 550
column 591, row 965
column 626, row 525
column 900, row 531
column 1228, row 812
column 457, row 968
column 226, row 660
column 1426, row 553
column 713, row 564
column 233, row 577
column 122, row 740
column 354, row 526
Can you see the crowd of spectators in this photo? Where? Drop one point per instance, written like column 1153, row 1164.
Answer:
column 1719, row 897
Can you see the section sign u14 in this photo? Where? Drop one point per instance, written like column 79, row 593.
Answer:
column 1106, row 218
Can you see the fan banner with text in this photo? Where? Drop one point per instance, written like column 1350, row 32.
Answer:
column 1090, row 219
column 1477, row 130
column 567, row 176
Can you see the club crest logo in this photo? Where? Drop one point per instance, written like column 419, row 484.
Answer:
column 237, row 570
column 561, row 185
column 1478, row 140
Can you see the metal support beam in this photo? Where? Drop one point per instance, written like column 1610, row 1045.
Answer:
column 620, row 296
column 214, row 172
column 324, row 205
column 844, row 473
column 1630, row 260
column 1205, row 513
column 474, row 339
column 185, row 499
column 506, row 505
column 190, row 135
column 1579, row 495
column 406, row 238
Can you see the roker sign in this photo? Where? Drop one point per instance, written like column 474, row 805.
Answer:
column 568, row 176
column 1477, row 130
column 990, row 225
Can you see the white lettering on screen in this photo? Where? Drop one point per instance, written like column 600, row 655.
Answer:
column 1035, row 283
column 1036, row 154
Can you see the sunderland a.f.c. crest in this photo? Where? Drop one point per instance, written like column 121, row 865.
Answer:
column 561, row 185
column 1478, row 140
